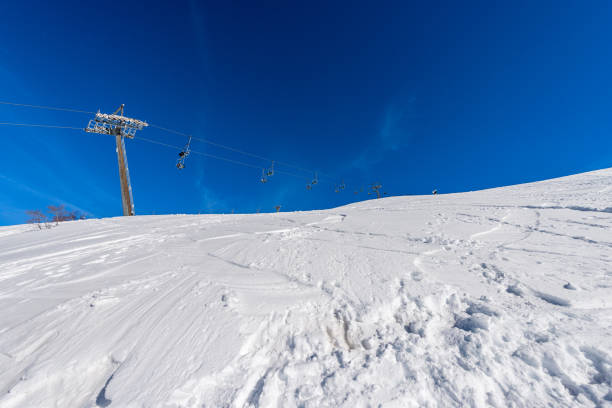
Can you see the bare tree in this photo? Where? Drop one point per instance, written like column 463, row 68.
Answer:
column 58, row 213
column 37, row 217
column 77, row 215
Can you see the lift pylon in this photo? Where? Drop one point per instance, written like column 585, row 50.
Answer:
column 121, row 127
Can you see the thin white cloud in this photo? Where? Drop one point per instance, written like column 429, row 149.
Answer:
column 209, row 200
column 394, row 134
column 52, row 200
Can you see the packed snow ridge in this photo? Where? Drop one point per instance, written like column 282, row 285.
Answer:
column 500, row 297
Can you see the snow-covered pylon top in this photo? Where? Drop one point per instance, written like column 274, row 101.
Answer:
column 107, row 124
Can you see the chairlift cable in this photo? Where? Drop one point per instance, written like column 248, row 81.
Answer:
column 233, row 149
column 40, row 125
column 144, row 139
column 25, row 105
column 241, row 163
column 325, row 176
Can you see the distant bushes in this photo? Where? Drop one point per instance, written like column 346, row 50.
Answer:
column 55, row 215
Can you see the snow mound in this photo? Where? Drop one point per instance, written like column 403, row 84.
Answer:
column 500, row 297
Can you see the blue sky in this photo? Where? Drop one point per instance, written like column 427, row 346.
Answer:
column 415, row 95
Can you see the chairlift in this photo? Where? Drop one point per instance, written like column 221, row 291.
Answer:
column 180, row 163
column 340, row 187
column 264, row 179
column 316, row 179
column 270, row 171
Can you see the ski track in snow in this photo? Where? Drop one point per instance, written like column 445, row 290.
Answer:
column 501, row 297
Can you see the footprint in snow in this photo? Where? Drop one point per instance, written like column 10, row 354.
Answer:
column 552, row 299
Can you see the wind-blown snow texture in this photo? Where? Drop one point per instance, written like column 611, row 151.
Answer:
column 498, row 298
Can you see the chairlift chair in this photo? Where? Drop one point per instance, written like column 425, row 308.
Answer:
column 316, row 179
column 180, row 163
column 270, row 171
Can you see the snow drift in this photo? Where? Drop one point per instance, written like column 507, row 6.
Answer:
column 500, row 297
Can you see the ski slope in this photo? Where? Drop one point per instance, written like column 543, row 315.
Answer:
column 500, row 297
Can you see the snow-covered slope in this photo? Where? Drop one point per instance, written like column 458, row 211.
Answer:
column 498, row 298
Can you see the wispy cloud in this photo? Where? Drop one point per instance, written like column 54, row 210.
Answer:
column 208, row 199
column 11, row 183
column 394, row 134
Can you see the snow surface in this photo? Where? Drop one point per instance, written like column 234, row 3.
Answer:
column 500, row 297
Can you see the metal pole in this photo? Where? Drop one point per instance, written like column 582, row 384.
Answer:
column 126, row 198
column 120, row 127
